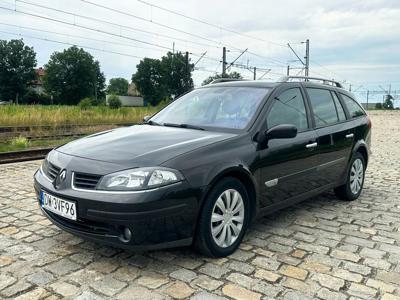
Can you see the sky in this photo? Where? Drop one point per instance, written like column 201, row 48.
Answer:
column 354, row 42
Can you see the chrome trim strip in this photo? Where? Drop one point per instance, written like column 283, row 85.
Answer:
column 44, row 175
column 118, row 192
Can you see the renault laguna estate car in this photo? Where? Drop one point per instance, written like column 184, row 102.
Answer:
column 203, row 168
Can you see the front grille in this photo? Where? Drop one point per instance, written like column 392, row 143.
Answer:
column 86, row 181
column 51, row 170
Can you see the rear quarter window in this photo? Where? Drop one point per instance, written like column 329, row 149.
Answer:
column 354, row 108
column 323, row 107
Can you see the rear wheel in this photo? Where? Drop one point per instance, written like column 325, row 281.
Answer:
column 224, row 219
column 351, row 190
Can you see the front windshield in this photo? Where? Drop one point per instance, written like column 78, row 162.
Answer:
column 225, row 107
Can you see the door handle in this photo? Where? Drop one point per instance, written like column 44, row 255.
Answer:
column 349, row 136
column 312, row 145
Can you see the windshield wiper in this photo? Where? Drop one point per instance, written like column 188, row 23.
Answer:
column 183, row 126
column 150, row 122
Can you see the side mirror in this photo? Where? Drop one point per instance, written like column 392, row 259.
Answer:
column 146, row 118
column 282, row 131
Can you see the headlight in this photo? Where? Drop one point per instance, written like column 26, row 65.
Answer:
column 139, row 179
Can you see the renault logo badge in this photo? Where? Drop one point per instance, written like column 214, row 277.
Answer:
column 63, row 175
column 60, row 178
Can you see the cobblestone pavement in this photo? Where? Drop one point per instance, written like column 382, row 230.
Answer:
column 323, row 248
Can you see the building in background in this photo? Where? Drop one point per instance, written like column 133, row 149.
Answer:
column 133, row 91
column 37, row 84
column 132, row 99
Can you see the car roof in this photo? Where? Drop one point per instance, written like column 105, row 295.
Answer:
column 270, row 85
column 244, row 83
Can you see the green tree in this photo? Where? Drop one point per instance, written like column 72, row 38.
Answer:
column 157, row 79
column 177, row 73
column 72, row 75
column 149, row 80
column 17, row 68
column 118, row 86
column 233, row 75
column 388, row 103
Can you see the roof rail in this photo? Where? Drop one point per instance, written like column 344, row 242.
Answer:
column 225, row 80
column 306, row 78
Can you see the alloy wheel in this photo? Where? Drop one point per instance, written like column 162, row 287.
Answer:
column 227, row 218
column 356, row 176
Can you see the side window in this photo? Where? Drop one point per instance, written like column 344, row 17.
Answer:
column 353, row 107
column 323, row 107
column 288, row 108
column 339, row 107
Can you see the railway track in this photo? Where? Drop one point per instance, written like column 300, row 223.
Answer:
column 24, row 155
column 64, row 131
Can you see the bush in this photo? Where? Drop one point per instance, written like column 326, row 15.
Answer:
column 86, row 103
column 31, row 97
column 388, row 104
column 378, row 106
column 114, row 102
column 20, row 142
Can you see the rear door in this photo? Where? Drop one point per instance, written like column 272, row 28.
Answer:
column 335, row 134
column 287, row 166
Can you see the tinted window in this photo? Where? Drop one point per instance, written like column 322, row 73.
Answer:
column 288, row 108
column 339, row 107
column 353, row 107
column 323, row 107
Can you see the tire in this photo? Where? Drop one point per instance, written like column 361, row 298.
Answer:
column 218, row 245
column 349, row 191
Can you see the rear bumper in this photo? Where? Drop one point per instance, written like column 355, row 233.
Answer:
column 161, row 218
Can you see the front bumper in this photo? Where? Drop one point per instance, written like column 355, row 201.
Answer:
column 159, row 218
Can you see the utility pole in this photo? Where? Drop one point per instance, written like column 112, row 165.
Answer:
column 350, row 87
column 306, row 61
column 307, row 58
column 187, row 68
column 288, row 71
column 173, row 48
column 223, row 61
column 254, row 73
column 367, row 97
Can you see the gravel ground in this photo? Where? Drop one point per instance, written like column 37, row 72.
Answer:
column 322, row 248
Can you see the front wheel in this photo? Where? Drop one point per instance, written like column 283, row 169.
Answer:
column 224, row 219
column 351, row 190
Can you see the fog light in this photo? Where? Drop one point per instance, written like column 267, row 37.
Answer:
column 126, row 235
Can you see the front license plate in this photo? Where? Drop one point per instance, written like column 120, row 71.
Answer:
column 62, row 207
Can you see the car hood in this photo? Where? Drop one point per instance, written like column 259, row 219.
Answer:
column 141, row 145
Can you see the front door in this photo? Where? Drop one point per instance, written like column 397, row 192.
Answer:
column 287, row 166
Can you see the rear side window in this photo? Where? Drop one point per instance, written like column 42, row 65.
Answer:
column 288, row 108
column 339, row 107
column 323, row 107
column 353, row 107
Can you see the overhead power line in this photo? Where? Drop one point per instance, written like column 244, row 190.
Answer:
column 210, row 24
column 71, row 44
column 154, row 22
column 81, row 37
column 86, row 27
column 124, row 26
column 115, row 24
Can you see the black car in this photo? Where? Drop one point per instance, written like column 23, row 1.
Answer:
column 200, row 170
